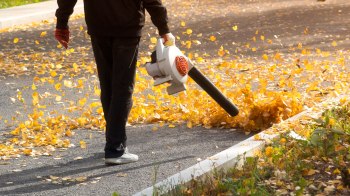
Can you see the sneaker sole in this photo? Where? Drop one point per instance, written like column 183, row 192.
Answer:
column 119, row 162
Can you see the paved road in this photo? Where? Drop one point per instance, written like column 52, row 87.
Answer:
column 165, row 151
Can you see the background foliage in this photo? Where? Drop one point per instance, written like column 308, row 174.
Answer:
column 11, row 3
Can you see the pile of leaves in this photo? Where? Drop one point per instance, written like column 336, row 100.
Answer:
column 292, row 164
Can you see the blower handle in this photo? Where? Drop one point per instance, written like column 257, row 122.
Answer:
column 211, row 89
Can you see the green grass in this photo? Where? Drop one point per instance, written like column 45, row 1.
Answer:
column 12, row 3
column 320, row 163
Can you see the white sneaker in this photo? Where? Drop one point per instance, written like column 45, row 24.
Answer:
column 124, row 159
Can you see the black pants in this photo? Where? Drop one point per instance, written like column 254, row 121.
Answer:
column 116, row 65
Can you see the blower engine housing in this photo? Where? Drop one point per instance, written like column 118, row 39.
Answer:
column 168, row 65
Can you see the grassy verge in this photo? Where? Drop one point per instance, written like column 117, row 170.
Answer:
column 318, row 164
column 12, row 3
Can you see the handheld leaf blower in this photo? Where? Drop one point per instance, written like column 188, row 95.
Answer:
column 169, row 64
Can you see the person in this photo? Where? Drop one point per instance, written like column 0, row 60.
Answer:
column 115, row 29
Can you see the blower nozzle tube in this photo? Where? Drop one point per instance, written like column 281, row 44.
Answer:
column 211, row 89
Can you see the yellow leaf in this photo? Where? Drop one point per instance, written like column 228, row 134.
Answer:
column 235, row 28
column 200, row 59
column 97, row 91
column 58, row 98
column 35, row 97
column 99, row 110
column 75, row 67
column 81, row 179
column 33, row 87
column 188, row 44
column 304, row 52
column 58, row 86
column 254, row 39
column 58, row 66
column 221, row 51
column 340, row 187
column 53, row 73
column 311, row 172
column 197, row 42
column 60, row 78
column 189, row 124
column 171, row 126
column 190, row 55
column 80, row 83
column 300, row 46
column 334, row 44
column 151, row 97
column 16, row 40
column 336, row 171
column 268, row 151
column 82, row 144
column 95, row 104
column 27, row 152
column 283, row 140
column 82, row 101
column 257, row 137
column 332, row 121
column 308, row 66
column 265, row 57
column 189, row 31
column 278, row 56
column 343, row 101
column 212, row 38
column 43, row 34
column 68, row 83
column 66, row 143
column 262, row 38
column 154, row 128
column 153, row 40
column 183, row 23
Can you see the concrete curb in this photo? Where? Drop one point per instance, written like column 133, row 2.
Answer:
column 229, row 157
column 32, row 13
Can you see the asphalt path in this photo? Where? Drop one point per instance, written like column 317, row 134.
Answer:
column 162, row 153
column 168, row 150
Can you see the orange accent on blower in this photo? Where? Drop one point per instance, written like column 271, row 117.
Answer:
column 181, row 65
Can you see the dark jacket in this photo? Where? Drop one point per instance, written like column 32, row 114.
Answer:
column 118, row 18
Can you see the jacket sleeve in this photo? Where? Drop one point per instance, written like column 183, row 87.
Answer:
column 65, row 9
column 158, row 14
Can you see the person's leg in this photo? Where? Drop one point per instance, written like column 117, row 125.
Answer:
column 103, row 52
column 125, row 51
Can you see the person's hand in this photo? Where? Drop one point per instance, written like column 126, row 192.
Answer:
column 62, row 36
column 169, row 39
